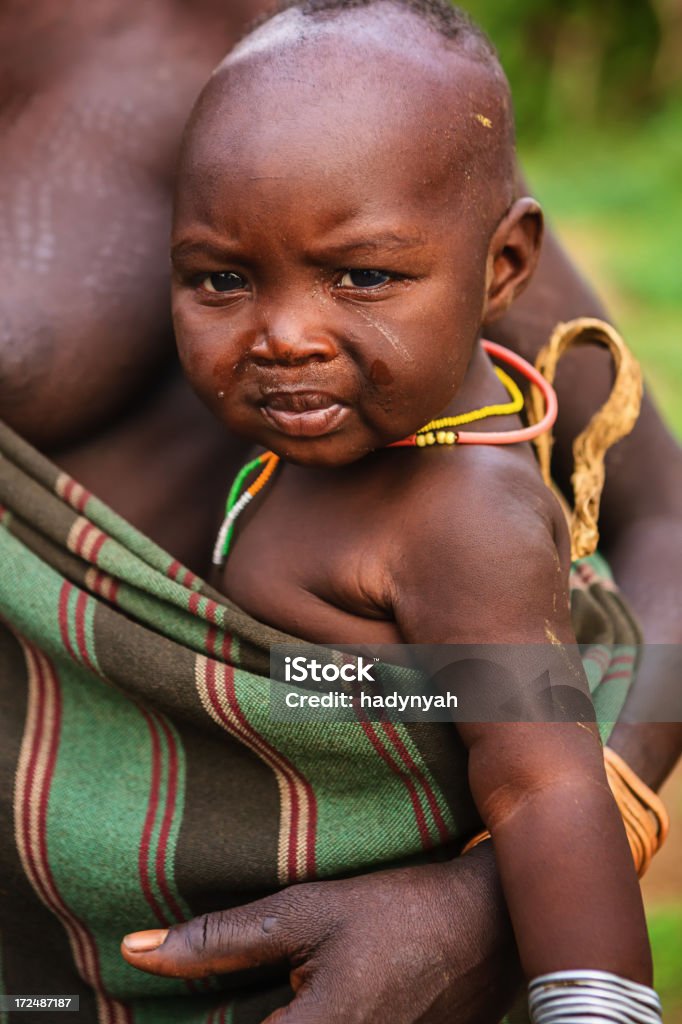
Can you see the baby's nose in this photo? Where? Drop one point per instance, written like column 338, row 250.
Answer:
column 291, row 344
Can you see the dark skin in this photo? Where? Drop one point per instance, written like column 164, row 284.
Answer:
column 289, row 291
column 144, row 424
column 98, row 93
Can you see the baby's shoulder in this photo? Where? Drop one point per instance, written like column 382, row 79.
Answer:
column 486, row 534
column 481, row 489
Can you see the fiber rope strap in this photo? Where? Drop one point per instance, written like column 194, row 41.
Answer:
column 609, row 424
column 591, row 997
column 644, row 815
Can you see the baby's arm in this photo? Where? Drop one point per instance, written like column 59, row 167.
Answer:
column 488, row 572
column 563, row 859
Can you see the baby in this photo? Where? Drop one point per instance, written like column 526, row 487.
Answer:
column 346, row 225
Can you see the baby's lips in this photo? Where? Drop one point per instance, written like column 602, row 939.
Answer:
column 311, row 422
column 301, row 401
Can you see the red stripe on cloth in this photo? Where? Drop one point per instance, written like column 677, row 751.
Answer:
column 97, row 547
column 29, row 794
column 167, row 821
column 82, row 498
column 600, row 656
column 226, row 647
column 209, row 643
column 63, row 618
column 150, row 817
column 211, row 609
column 173, row 569
column 37, row 873
column 293, row 780
column 73, row 493
column 193, row 603
column 418, row 774
column 81, row 605
column 53, row 744
column 94, row 581
column 45, row 745
column 620, row 674
column 67, row 488
column 43, row 867
column 77, row 540
column 622, row 659
column 311, row 833
column 101, row 583
column 292, row 776
column 385, row 755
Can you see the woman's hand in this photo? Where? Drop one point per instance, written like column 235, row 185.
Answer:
column 427, row 944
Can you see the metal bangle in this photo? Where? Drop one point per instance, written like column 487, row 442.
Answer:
column 591, row 997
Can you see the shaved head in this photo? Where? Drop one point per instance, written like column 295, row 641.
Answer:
column 450, row 21
column 413, row 77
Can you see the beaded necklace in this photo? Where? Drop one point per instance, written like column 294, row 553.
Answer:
column 436, row 432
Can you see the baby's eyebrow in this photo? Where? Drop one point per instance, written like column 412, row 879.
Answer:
column 377, row 243
column 186, row 249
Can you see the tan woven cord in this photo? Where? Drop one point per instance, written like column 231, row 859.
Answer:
column 609, row 424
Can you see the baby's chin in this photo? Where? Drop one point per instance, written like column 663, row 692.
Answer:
column 322, row 456
column 338, row 448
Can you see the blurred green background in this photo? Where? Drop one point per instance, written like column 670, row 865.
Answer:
column 597, row 88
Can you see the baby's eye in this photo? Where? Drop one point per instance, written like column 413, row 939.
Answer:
column 223, row 281
column 364, row 279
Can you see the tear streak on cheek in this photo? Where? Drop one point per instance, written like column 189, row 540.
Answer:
column 390, row 336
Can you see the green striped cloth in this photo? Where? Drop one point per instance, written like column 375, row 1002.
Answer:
column 142, row 780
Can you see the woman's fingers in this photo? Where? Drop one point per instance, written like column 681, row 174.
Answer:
column 283, row 927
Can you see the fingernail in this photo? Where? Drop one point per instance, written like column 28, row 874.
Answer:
column 144, row 942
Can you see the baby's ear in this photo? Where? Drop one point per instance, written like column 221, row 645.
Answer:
column 512, row 256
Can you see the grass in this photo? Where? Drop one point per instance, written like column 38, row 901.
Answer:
column 665, row 930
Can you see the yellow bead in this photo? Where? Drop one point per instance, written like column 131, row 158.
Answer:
column 421, row 440
column 440, row 436
column 430, row 437
column 450, row 437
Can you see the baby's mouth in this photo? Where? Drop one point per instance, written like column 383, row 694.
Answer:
column 304, row 413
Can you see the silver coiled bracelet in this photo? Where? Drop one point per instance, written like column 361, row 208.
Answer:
column 591, row 997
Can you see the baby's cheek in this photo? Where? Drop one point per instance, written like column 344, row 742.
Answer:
column 224, row 368
column 197, row 363
column 194, row 362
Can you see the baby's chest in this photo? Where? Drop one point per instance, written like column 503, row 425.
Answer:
column 314, row 566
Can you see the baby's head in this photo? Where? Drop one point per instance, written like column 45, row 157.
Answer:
column 345, row 223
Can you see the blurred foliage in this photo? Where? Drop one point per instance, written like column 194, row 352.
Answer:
column 665, row 931
column 615, row 197
column 597, row 88
column 585, row 61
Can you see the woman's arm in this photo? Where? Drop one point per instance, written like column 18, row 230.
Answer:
column 641, row 511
